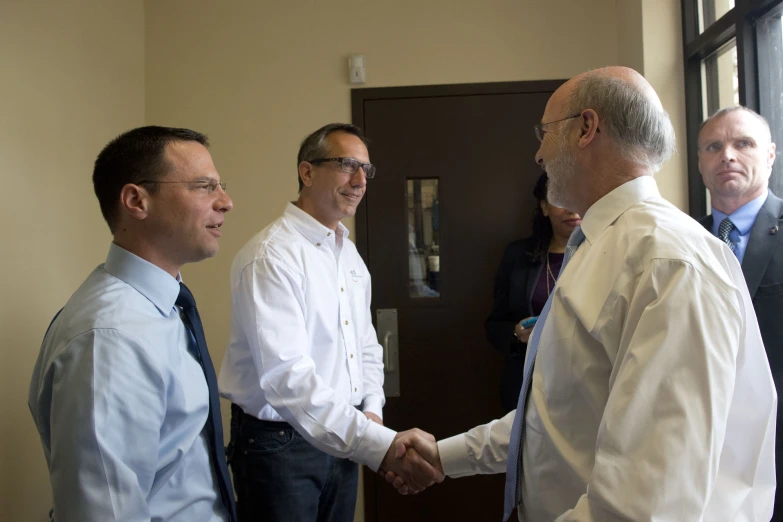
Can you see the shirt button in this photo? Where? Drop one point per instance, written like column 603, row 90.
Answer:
column 328, row 233
column 318, row 244
column 281, row 433
column 342, row 289
column 351, row 356
column 355, row 389
column 346, row 322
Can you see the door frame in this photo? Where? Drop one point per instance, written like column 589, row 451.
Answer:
column 366, row 94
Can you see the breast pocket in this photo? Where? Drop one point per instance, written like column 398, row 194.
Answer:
column 769, row 290
column 553, row 375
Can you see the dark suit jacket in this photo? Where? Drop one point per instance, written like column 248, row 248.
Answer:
column 514, row 284
column 763, row 270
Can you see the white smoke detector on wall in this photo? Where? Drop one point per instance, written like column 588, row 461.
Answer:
column 356, row 72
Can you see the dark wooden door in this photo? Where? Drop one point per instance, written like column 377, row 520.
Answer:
column 478, row 142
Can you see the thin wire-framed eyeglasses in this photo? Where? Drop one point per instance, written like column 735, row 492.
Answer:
column 541, row 131
column 210, row 185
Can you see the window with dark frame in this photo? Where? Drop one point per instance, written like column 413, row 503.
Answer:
column 733, row 55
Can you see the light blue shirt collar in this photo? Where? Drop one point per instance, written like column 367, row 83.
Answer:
column 743, row 218
column 149, row 280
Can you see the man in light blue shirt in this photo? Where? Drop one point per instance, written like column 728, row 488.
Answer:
column 123, row 392
column 736, row 154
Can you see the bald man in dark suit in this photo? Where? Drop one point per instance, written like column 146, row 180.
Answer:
column 736, row 154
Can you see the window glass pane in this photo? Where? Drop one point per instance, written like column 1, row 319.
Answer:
column 423, row 240
column 720, row 79
column 712, row 10
column 770, row 54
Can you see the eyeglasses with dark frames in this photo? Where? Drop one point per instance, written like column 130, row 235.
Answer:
column 541, row 131
column 348, row 165
column 209, row 185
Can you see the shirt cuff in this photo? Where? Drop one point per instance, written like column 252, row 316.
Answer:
column 373, row 404
column 375, row 443
column 454, row 456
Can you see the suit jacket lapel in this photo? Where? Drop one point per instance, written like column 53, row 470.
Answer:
column 706, row 222
column 762, row 242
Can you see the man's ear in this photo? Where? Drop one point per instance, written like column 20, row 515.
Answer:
column 135, row 201
column 588, row 127
column 772, row 148
column 306, row 172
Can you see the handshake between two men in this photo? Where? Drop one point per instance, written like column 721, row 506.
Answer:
column 412, row 463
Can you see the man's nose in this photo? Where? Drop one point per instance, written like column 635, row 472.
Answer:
column 728, row 155
column 224, row 202
column 359, row 178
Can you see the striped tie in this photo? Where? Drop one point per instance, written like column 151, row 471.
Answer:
column 725, row 228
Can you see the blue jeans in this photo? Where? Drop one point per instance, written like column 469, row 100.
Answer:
column 280, row 477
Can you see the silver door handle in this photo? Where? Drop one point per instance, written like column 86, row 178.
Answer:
column 388, row 366
column 390, row 343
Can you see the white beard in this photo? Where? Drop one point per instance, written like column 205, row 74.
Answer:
column 561, row 173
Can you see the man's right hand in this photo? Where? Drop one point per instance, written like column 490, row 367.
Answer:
column 411, row 464
column 416, row 444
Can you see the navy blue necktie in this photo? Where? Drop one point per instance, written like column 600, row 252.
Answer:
column 513, row 490
column 214, row 422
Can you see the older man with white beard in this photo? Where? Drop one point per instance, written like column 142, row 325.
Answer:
column 647, row 394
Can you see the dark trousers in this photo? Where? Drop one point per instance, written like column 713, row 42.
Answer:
column 280, row 477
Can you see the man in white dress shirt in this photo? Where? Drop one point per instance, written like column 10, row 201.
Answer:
column 651, row 396
column 303, row 368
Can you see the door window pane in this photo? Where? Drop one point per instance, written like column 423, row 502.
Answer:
column 423, row 240
column 770, row 54
column 712, row 10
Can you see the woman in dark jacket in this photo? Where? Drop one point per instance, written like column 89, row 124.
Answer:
column 525, row 278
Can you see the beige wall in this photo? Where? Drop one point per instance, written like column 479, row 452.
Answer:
column 665, row 70
column 650, row 41
column 72, row 76
column 629, row 34
column 257, row 77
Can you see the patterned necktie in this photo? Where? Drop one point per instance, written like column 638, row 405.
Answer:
column 214, row 423
column 725, row 228
column 514, row 467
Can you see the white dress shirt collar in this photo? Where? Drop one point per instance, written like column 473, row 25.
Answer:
column 313, row 230
column 606, row 210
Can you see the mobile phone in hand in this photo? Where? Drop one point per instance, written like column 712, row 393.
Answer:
column 528, row 323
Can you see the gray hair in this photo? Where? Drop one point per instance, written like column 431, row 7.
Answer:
column 315, row 145
column 727, row 110
column 641, row 130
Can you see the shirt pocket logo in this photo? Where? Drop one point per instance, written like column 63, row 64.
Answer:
column 355, row 276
